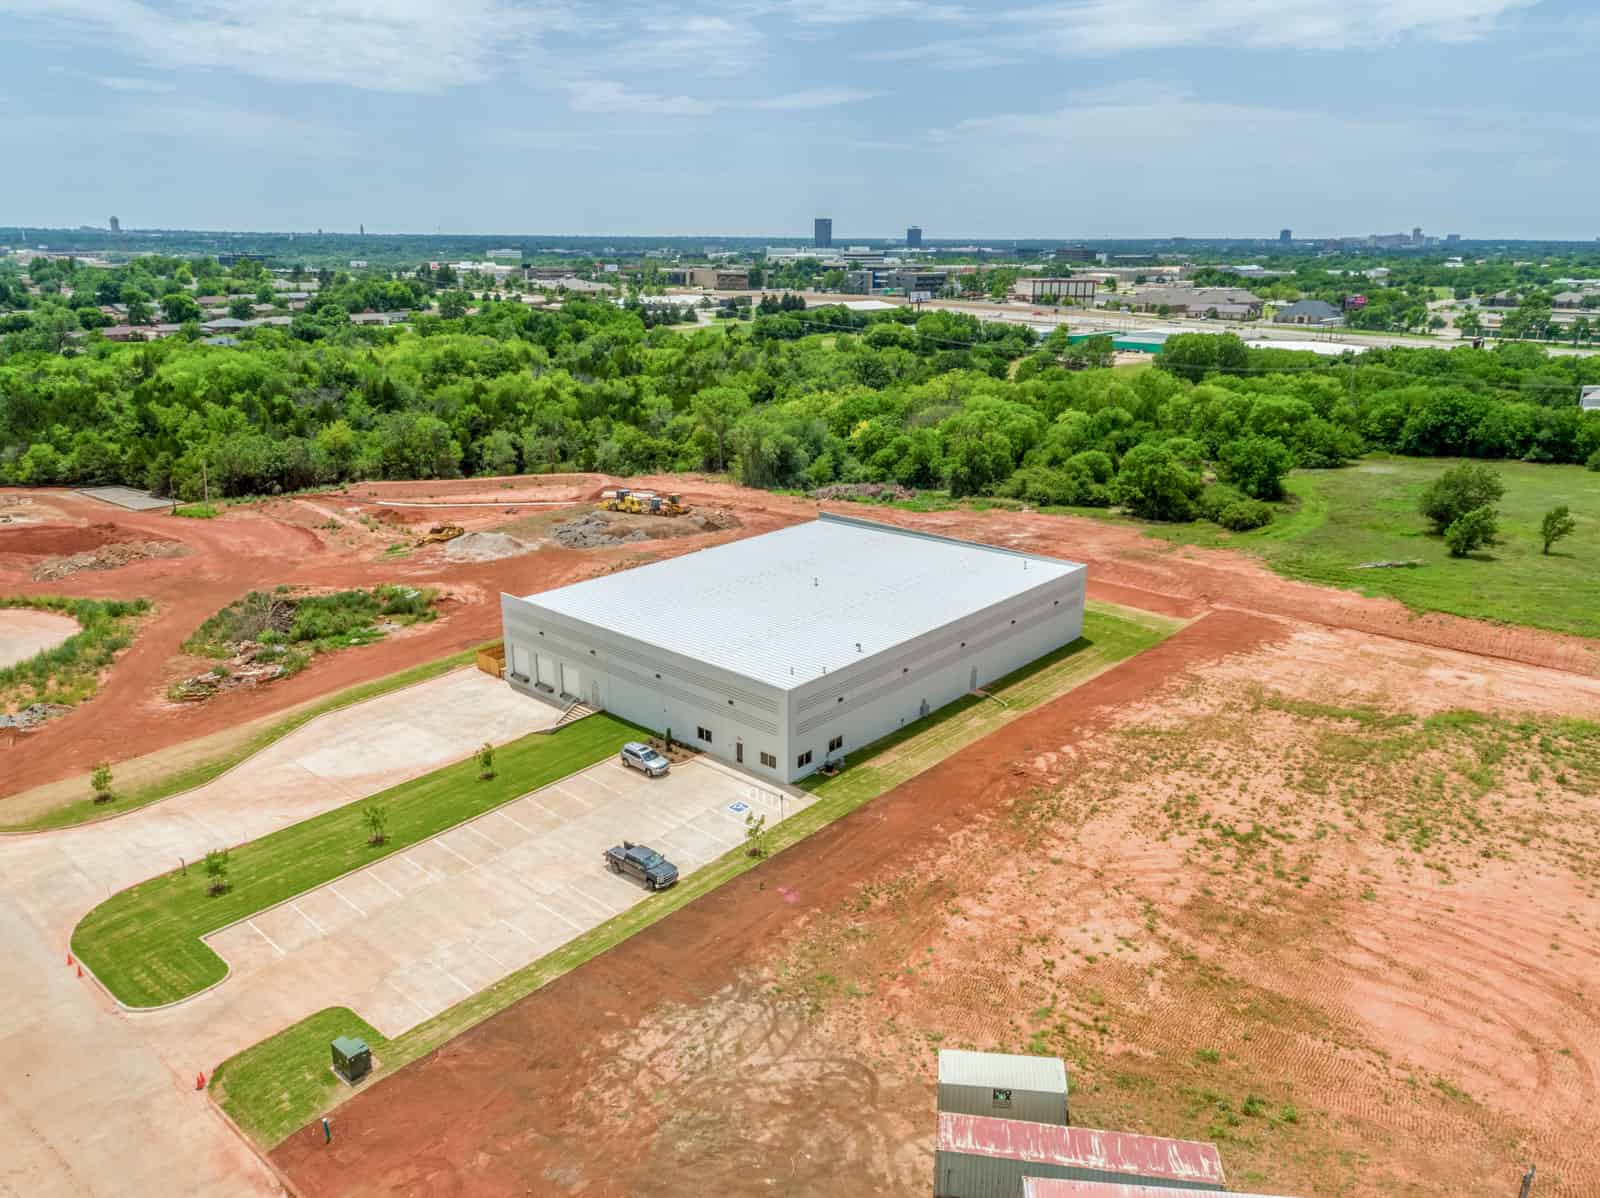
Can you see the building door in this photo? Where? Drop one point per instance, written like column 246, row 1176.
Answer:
column 738, row 751
column 571, row 680
column 546, row 666
column 594, row 695
column 973, row 685
column 520, row 664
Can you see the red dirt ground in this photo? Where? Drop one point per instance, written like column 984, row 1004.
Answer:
column 462, row 1121
column 315, row 540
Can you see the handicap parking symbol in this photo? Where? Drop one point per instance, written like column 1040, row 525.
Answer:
column 739, row 808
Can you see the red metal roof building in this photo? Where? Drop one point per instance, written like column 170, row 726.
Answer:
column 1054, row 1187
column 981, row 1157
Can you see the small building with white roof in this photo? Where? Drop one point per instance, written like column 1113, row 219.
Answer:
column 785, row 651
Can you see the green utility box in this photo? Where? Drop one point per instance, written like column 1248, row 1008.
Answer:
column 352, row 1059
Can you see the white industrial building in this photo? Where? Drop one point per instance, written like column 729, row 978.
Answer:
column 783, row 651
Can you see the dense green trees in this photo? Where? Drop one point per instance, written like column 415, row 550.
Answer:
column 794, row 398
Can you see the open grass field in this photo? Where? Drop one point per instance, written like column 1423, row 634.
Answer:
column 144, row 943
column 1368, row 512
column 278, row 1085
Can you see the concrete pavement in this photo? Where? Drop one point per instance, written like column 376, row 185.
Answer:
column 91, row 1103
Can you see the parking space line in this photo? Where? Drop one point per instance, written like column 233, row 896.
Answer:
column 265, row 937
column 373, row 874
column 492, row 957
column 518, row 931
column 572, row 889
column 559, row 788
column 308, row 918
column 591, row 776
column 490, row 841
column 452, row 852
column 421, row 1010
column 552, row 911
column 516, row 821
column 346, row 901
column 465, row 989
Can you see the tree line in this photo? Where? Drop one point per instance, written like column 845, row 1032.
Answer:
column 796, row 398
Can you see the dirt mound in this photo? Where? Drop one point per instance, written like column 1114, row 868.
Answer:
column 43, row 540
column 107, row 557
column 483, row 547
column 592, row 531
column 864, row 491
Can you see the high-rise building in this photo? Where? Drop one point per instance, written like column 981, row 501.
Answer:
column 822, row 232
column 1416, row 235
column 1286, row 235
column 116, row 225
column 914, row 237
column 1452, row 237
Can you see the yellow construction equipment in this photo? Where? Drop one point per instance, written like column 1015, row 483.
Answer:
column 641, row 503
column 440, row 532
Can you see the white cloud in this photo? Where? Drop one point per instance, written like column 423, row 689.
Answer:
column 964, row 55
column 1104, row 27
column 853, row 12
column 609, row 96
column 816, row 97
column 380, row 45
column 711, row 45
column 123, row 84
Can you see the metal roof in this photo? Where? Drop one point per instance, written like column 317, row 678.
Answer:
column 958, row 1067
column 1055, row 1187
column 1081, row 1148
column 789, row 606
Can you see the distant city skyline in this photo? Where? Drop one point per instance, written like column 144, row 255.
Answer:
column 1232, row 119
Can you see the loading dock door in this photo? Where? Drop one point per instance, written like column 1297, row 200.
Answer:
column 547, row 671
column 571, row 680
column 519, row 661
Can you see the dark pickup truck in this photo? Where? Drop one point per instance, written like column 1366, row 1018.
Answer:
column 641, row 862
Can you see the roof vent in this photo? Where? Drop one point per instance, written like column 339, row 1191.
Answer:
column 858, row 646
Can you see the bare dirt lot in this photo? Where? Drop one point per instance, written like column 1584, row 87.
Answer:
column 1325, row 896
column 326, row 540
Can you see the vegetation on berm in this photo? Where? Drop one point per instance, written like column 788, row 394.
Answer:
column 937, row 400
column 70, row 672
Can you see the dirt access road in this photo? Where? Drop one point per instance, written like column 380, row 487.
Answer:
column 1258, row 885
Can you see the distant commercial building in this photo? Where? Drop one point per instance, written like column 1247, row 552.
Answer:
column 1227, row 303
column 1416, row 235
column 1285, row 236
column 116, row 225
column 1080, row 290
column 1452, row 238
column 1308, row 312
column 822, row 232
column 1076, row 253
column 508, row 252
column 719, row 278
column 914, row 237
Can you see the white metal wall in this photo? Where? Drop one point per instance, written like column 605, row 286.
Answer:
column 660, row 689
column 648, row 685
column 892, row 689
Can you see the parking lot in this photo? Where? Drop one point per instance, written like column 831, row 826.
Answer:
column 413, row 934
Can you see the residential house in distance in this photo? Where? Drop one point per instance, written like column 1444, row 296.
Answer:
column 1309, row 312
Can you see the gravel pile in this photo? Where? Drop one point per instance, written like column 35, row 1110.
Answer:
column 592, row 530
column 483, row 547
column 107, row 557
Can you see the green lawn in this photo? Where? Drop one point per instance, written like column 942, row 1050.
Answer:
column 1368, row 512
column 144, row 943
column 164, row 787
column 277, row 1086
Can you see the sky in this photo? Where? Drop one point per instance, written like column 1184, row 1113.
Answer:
column 982, row 119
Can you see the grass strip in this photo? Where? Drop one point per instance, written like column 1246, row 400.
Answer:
column 280, row 1084
column 198, row 774
column 144, row 943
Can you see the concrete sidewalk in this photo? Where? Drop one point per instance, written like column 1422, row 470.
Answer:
column 91, row 1105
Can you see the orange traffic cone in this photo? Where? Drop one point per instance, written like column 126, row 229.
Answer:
column 69, row 959
column 80, row 971
column 200, row 1081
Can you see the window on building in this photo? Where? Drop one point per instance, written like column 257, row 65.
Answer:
column 836, row 744
column 704, row 734
column 803, row 760
column 768, row 760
